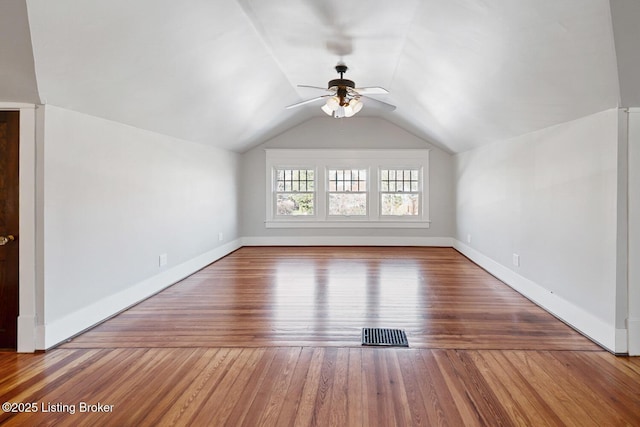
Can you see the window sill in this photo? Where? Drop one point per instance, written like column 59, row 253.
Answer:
column 347, row 224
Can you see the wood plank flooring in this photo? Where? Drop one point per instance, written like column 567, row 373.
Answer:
column 294, row 359
column 323, row 386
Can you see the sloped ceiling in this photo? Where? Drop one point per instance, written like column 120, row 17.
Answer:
column 461, row 72
column 626, row 19
column 17, row 76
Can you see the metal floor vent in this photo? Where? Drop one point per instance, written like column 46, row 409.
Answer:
column 384, row 337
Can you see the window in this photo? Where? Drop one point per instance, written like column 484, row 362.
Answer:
column 400, row 192
column 347, row 188
column 347, row 192
column 294, row 191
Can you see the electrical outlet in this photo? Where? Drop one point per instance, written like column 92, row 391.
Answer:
column 468, row 238
column 516, row 260
column 162, row 260
column 220, row 237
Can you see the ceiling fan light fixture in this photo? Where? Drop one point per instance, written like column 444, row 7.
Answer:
column 345, row 99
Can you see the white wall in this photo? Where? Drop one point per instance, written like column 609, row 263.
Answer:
column 356, row 132
column 115, row 199
column 552, row 198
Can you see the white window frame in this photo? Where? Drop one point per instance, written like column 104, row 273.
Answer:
column 275, row 192
column 327, row 193
column 321, row 160
column 420, row 191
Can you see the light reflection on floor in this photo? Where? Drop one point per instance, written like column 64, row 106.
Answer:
column 321, row 295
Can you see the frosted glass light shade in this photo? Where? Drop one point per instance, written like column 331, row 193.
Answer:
column 356, row 105
column 348, row 111
column 333, row 103
column 353, row 107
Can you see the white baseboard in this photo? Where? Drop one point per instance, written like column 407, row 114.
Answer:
column 596, row 329
column 27, row 334
column 347, row 241
column 622, row 343
column 60, row 330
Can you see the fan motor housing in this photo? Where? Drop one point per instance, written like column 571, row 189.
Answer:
column 341, row 82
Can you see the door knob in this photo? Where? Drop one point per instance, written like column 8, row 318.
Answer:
column 4, row 240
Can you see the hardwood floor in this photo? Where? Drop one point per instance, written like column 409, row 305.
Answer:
column 270, row 336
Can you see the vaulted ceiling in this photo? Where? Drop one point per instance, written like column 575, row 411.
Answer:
column 461, row 72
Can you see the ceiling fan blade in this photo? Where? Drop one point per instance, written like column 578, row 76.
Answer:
column 373, row 90
column 315, row 87
column 382, row 104
column 298, row 104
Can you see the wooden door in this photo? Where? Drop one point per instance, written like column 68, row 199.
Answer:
column 9, row 149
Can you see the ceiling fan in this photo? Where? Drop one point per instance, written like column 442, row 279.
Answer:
column 344, row 99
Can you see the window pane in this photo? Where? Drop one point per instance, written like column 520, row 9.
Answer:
column 310, row 181
column 294, row 192
column 347, row 180
column 292, row 180
column 401, row 180
column 294, row 204
column 348, row 204
column 400, row 204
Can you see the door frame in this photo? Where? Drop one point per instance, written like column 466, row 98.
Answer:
column 27, row 317
column 633, row 267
